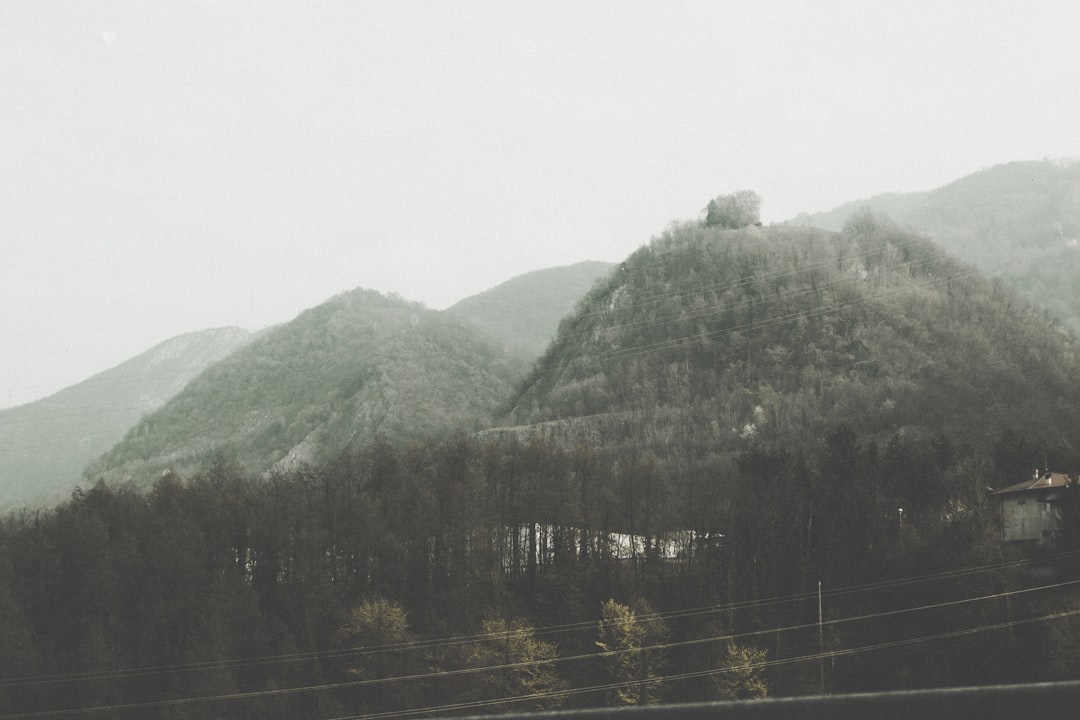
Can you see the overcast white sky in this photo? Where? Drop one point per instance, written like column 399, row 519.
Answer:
column 173, row 166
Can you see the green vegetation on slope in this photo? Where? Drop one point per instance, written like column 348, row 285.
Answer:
column 467, row 570
column 730, row 419
column 45, row 445
column 524, row 312
column 359, row 365
column 1019, row 221
column 710, row 341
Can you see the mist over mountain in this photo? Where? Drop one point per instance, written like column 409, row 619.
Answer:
column 1019, row 221
column 524, row 312
column 45, row 445
column 358, row 366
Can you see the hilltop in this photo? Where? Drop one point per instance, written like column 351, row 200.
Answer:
column 707, row 343
column 358, row 366
column 45, row 445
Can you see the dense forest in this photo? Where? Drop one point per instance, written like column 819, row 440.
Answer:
column 753, row 462
column 707, row 342
column 359, row 365
column 1019, row 221
column 479, row 575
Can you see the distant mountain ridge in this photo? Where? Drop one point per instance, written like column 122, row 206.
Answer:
column 363, row 365
column 358, row 366
column 45, row 445
column 1019, row 221
column 524, row 312
column 521, row 315
column 705, row 341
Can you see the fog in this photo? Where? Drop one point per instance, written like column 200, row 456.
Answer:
column 169, row 167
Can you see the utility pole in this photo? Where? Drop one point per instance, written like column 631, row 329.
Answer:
column 820, row 640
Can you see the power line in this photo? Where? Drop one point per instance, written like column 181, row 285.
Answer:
column 592, row 656
column 712, row 671
column 439, row 643
column 770, row 320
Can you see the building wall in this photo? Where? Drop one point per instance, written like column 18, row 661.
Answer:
column 1030, row 517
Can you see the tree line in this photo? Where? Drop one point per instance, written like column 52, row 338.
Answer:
column 487, row 570
column 752, row 462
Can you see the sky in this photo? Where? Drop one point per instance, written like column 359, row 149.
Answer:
column 167, row 167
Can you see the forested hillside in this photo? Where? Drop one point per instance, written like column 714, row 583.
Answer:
column 711, row 341
column 359, row 365
column 1019, row 221
column 45, row 445
column 524, row 312
column 753, row 462
column 461, row 576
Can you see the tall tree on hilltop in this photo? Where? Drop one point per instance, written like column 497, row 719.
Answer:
column 739, row 209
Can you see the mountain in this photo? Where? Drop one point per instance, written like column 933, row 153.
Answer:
column 358, row 366
column 1019, row 221
column 738, row 422
column 45, row 445
column 707, row 343
column 524, row 312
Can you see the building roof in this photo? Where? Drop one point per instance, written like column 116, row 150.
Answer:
column 1040, row 481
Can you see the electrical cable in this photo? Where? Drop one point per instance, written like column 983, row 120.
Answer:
column 590, row 656
column 832, row 654
column 445, row 642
